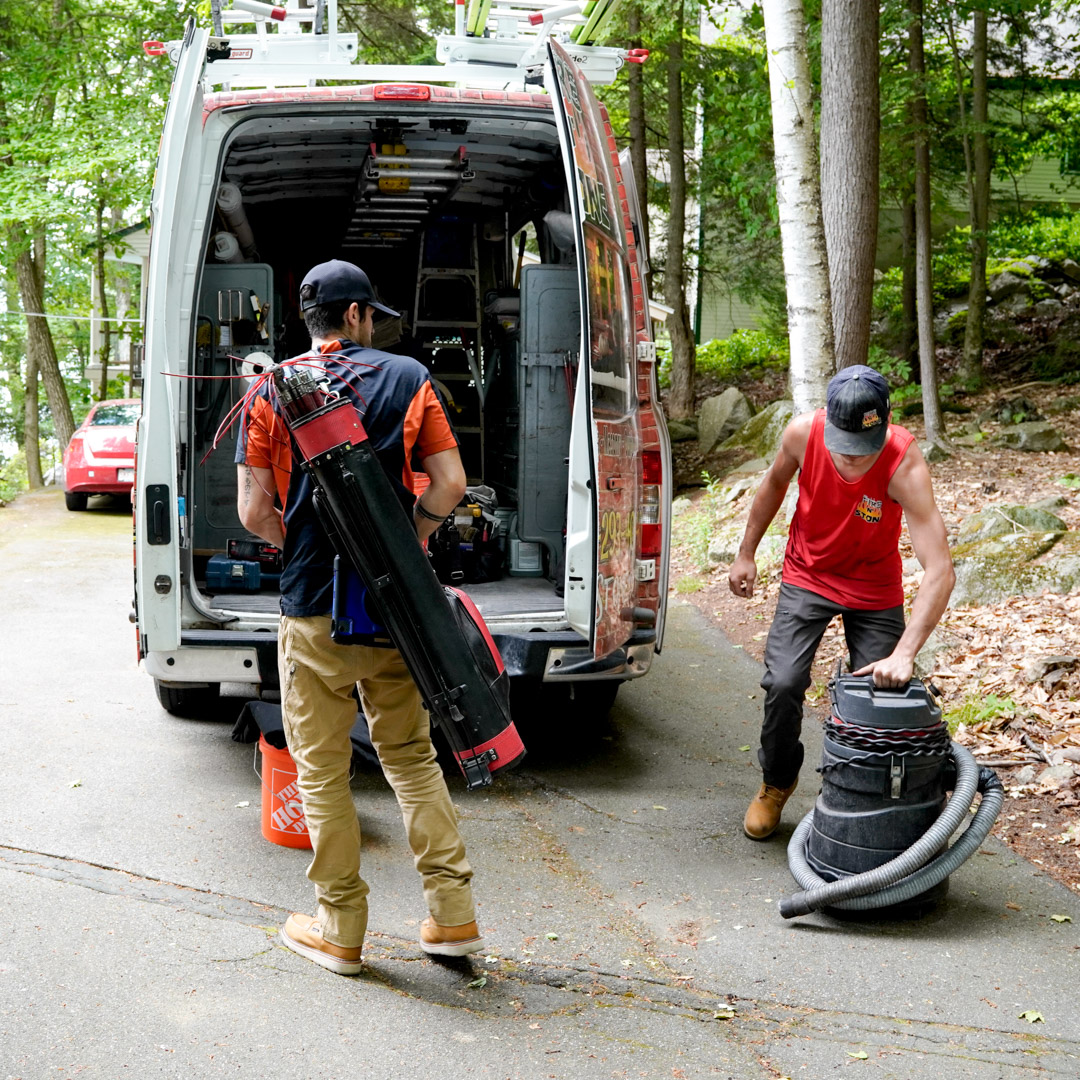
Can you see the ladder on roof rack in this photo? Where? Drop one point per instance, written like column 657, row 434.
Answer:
column 495, row 43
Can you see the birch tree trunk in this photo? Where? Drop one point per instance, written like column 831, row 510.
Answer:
column 935, row 426
column 849, row 168
column 683, row 353
column 971, row 364
column 798, row 198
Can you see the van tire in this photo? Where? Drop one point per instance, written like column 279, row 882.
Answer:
column 593, row 700
column 191, row 702
column 75, row 500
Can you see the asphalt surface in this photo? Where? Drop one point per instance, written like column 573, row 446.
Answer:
column 632, row 931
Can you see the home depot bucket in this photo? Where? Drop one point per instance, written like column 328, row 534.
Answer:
column 283, row 819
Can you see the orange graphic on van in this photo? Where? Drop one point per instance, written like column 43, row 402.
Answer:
column 869, row 510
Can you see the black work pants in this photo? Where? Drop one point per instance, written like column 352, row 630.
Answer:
column 797, row 629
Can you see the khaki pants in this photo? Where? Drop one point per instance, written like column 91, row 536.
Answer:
column 317, row 678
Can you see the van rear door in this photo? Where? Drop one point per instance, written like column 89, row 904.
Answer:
column 605, row 481
column 167, row 337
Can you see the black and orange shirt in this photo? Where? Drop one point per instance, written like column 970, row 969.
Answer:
column 406, row 422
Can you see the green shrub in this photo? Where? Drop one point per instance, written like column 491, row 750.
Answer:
column 746, row 352
column 1048, row 232
column 977, row 708
column 13, row 478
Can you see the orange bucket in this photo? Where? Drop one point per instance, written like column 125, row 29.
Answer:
column 283, row 820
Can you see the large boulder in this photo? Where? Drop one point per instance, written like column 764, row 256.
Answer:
column 1007, row 520
column 1036, row 436
column 1002, row 286
column 761, row 434
column 1019, row 564
column 721, row 416
column 682, row 430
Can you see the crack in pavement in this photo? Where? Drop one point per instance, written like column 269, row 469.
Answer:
column 530, row 989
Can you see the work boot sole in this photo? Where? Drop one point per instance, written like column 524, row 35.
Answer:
column 323, row 959
column 452, row 948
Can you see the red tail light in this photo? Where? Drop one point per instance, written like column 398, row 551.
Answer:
column 652, row 475
column 402, row 92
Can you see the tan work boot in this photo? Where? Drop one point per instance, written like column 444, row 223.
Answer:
column 450, row 940
column 763, row 814
column 303, row 934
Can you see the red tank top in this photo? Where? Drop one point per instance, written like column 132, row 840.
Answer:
column 844, row 538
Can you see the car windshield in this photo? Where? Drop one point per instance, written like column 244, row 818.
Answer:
column 115, row 416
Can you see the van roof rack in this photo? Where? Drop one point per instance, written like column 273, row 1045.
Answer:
column 498, row 43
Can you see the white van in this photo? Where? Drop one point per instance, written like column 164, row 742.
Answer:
column 279, row 153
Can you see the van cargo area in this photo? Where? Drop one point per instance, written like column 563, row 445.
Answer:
column 436, row 204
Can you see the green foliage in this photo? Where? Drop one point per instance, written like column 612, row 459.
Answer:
column 745, row 353
column 688, row 583
column 977, row 708
column 12, row 476
column 896, row 369
column 1048, row 232
column 1069, row 480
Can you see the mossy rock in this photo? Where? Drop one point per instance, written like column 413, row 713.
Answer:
column 1021, row 564
column 1006, row 521
column 761, row 434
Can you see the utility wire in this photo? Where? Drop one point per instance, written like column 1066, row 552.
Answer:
column 72, row 318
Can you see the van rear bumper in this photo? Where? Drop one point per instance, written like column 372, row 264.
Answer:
column 217, row 656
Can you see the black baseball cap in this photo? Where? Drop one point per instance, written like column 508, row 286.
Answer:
column 856, row 411
column 338, row 280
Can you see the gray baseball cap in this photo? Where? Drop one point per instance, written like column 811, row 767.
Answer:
column 338, row 280
column 856, row 411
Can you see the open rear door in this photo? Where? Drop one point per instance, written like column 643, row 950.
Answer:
column 605, row 481
column 157, row 523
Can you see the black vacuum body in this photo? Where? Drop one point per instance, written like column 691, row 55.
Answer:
column 886, row 768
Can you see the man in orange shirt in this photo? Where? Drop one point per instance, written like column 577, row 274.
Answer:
column 409, row 431
column 859, row 475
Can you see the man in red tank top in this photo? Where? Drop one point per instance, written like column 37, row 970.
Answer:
column 858, row 476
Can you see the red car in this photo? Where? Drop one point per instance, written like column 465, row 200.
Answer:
column 100, row 459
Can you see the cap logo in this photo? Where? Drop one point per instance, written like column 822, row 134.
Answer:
column 870, row 419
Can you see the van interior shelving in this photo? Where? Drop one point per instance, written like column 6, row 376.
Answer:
column 433, row 203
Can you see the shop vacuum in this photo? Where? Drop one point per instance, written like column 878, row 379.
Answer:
column 877, row 838
column 438, row 631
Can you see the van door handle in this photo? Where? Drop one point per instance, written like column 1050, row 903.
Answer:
column 158, row 527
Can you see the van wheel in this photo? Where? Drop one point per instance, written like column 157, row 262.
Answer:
column 593, row 700
column 75, row 500
column 188, row 701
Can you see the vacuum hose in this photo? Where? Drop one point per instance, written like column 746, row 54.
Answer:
column 909, row 874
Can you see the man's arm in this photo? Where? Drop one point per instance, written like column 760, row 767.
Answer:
column 255, row 504
column 447, row 488
column 768, row 500
column 912, row 489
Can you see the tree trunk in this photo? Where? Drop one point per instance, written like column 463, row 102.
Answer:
column 680, row 329
column 849, row 168
column 935, row 427
column 636, row 109
column 103, row 305
column 39, row 337
column 909, row 329
column 971, row 364
column 798, row 198
column 31, row 437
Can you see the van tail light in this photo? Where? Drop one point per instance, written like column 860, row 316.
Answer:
column 651, row 540
column 402, row 92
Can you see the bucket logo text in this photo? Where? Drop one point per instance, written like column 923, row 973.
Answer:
column 288, row 815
